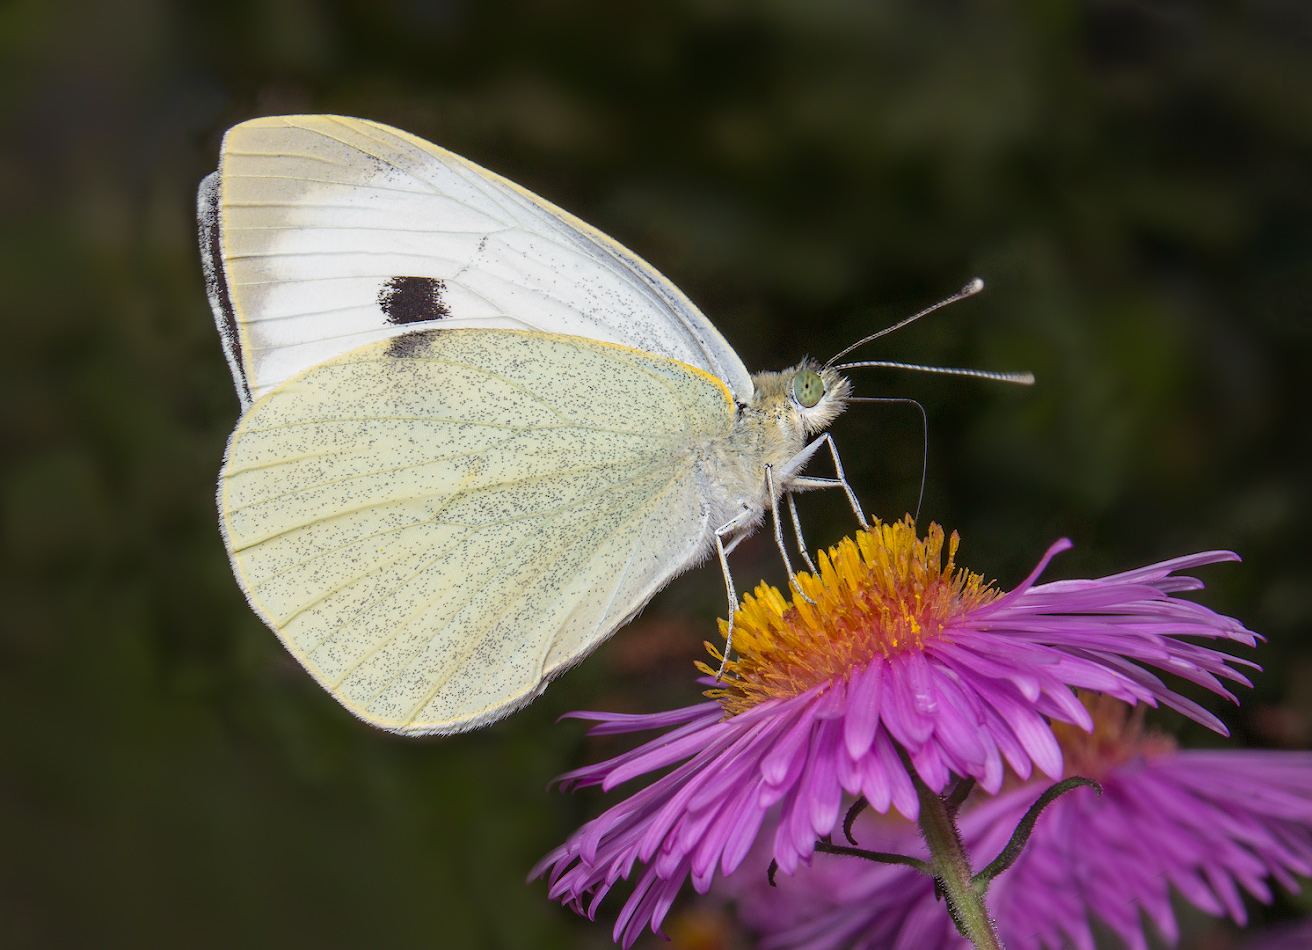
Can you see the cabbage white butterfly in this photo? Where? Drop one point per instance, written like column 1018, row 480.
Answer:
column 478, row 435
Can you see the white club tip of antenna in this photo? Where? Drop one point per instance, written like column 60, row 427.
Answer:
column 972, row 288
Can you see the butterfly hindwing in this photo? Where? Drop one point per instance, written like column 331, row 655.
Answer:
column 437, row 524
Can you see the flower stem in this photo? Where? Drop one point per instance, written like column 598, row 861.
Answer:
column 951, row 868
column 1023, row 830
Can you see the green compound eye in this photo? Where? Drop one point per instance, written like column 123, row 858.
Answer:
column 808, row 388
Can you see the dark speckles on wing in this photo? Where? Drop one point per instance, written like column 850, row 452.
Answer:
column 413, row 300
column 216, row 281
column 409, row 345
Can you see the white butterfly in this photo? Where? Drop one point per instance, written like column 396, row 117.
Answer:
column 478, row 434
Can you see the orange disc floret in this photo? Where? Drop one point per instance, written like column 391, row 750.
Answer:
column 882, row 592
column 1118, row 736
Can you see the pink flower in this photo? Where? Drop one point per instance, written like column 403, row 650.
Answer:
column 1208, row 824
column 896, row 653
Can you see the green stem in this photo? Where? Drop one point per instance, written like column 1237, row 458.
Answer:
column 1023, row 830
column 951, row 868
column 883, row 857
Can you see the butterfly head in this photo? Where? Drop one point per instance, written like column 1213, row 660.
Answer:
column 818, row 394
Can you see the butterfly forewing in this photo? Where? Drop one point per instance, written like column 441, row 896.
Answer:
column 325, row 233
column 438, row 523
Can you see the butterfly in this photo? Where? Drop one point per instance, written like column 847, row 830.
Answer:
column 477, row 434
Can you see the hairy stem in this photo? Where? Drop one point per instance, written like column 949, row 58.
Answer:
column 951, row 868
column 1023, row 830
column 882, row 857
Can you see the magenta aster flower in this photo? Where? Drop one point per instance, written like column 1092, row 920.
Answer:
column 894, row 653
column 1209, row 824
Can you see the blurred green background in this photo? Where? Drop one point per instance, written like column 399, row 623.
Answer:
column 1133, row 181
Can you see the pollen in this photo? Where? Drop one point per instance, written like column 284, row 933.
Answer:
column 882, row 592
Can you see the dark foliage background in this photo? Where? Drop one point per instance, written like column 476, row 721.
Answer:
column 1133, row 180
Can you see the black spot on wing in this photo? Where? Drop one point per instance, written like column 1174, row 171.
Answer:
column 409, row 345
column 413, row 300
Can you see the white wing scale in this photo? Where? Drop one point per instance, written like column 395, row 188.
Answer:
column 437, row 525
column 311, row 220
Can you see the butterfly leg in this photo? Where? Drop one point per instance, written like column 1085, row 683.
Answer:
column 746, row 517
column 801, row 541
column 779, row 532
column 796, row 482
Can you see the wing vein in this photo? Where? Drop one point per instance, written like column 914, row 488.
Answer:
column 460, row 604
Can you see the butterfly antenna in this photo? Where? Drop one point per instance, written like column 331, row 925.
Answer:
column 924, row 429
column 970, row 290
column 1021, row 379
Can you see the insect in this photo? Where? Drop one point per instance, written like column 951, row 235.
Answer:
column 478, row 435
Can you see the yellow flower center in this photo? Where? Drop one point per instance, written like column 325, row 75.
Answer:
column 885, row 591
column 1118, row 736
